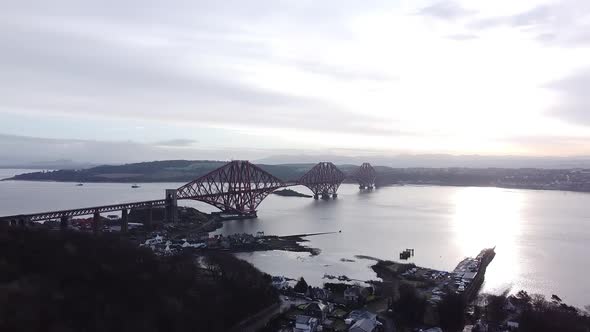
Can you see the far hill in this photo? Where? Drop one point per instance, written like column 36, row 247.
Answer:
column 154, row 171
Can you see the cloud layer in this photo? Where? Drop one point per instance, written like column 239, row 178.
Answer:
column 422, row 76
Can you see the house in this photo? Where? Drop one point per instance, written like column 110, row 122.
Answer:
column 305, row 324
column 317, row 293
column 364, row 325
column 354, row 295
column 279, row 282
column 357, row 315
column 480, row 327
column 362, row 321
column 512, row 326
column 317, row 310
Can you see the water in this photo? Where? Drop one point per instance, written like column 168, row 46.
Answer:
column 541, row 237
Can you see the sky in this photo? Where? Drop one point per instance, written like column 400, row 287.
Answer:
column 131, row 80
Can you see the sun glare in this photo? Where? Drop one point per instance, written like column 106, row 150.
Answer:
column 488, row 217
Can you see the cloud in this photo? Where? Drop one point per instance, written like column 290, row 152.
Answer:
column 563, row 23
column 16, row 149
column 463, row 37
column 177, row 143
column 343, row 72
column 192, row 62
column 575, row 97
column 446, row 10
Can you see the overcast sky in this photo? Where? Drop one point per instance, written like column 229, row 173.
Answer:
column 120, row 80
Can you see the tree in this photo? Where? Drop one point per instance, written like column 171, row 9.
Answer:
column 523, row 297
column 77, row 282
column 556, row 299
column 554, row 315
column 452, row 312
column 410, row 304
column 301, row 286
column 496, row 312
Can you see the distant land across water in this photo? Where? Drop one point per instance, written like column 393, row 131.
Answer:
column 574, row 179
column 394, row 161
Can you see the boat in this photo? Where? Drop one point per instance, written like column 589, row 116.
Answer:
column 135, row 186
column 80, row 184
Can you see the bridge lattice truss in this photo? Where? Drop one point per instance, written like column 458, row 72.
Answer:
column 84, row 211
column 365, row 175
column 323, row 179
column 239, row 186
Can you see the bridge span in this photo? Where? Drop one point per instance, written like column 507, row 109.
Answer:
column 236, row 188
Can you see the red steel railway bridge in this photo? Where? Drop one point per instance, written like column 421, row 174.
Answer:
column 236, row 188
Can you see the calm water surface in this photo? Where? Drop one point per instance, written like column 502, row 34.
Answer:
column 542, row 238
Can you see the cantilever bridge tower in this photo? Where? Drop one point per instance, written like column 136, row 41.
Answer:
column 323, row 179
column 238, row 187
column 365, row 176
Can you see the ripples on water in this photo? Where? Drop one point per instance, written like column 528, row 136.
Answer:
column 541, row 237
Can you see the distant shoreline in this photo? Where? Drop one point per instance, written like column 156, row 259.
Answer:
column 183, row 171
column 584, row 191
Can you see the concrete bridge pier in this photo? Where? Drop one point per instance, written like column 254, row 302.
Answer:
column 64, row 222
column 334, row 195
column 96, row 223
column 124, row 221
column 316, row 196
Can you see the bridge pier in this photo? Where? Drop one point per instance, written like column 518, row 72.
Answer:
column 148, row 221
column 325, row 196
column 64, row 222
column 171, row 209
column 334, row 195
column 124, row 221
column 96, row 223
column 316, row 196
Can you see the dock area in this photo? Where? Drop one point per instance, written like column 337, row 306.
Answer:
column 465, row 279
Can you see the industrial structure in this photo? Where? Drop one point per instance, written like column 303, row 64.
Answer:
column 236, row 189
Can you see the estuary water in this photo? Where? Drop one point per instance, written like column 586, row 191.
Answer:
column 542, row 238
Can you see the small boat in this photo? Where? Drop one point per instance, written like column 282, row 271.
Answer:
column 135, row 186
column 80, row 184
